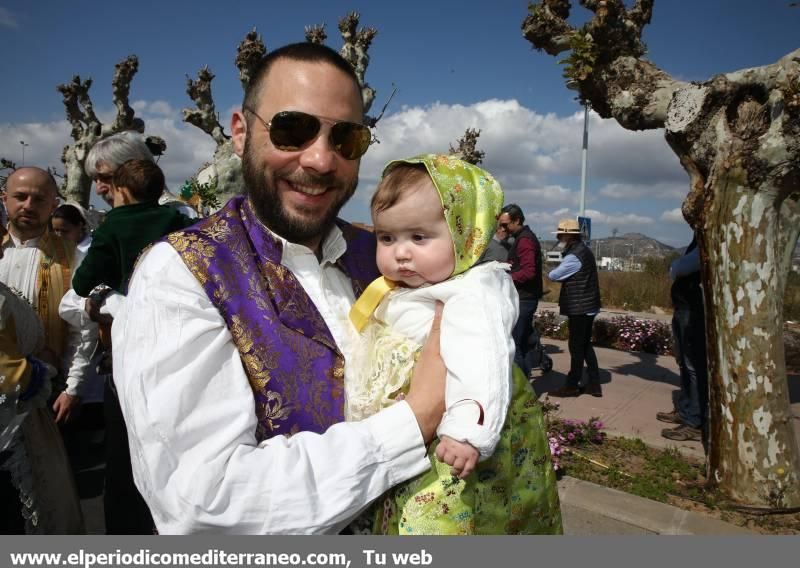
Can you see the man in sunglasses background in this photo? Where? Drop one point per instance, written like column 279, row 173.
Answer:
column 229, row 351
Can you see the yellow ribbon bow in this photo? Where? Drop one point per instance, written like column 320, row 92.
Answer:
column 366, row 304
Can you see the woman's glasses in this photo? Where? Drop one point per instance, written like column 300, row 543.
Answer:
column 292, row 130
column 103, row 178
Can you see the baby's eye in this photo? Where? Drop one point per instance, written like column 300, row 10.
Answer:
column 419, row 237
column 385, row 239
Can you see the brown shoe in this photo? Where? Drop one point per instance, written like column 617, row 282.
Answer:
column 670, row 417
column 566, row 392
column 683, row 433
column 594, row 389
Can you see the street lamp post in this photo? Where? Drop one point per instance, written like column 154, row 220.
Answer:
column 584, row 158
column 24, row 144
column 573, row 86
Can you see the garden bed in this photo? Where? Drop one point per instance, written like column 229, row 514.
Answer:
column 581, row 450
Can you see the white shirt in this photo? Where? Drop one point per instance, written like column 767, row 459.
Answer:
column 18, row 269
column 191, row 425
column 480, row 310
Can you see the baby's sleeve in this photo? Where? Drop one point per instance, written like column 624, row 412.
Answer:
column 478, row 351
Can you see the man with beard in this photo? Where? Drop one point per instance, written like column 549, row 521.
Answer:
column 228, row 353
column 39, row 264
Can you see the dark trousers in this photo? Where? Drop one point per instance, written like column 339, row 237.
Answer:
column 690, row 344
column 580, row 350
column 125, row 509
column 522, row 331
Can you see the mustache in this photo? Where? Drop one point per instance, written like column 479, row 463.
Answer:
column 306, row 178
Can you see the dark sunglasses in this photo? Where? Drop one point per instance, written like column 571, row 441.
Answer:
column 104, row 178
column 292, row 130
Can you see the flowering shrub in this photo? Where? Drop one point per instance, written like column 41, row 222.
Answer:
column 549, row 324
column 642, row 335
column 564, row 432
column 626, row 333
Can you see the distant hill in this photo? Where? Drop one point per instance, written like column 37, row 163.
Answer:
column 629, row 245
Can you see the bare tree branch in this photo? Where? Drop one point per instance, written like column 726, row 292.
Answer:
column 467, row 147
column 316, row 34
column 87, row 128
column 248, row 55
column 204, row 116
column 355, row 51
column 120, row 88
column 546, row 26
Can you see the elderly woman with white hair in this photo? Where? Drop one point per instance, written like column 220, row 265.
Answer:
column 125, row 510
column 110, row 153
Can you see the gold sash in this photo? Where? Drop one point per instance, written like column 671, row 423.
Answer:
column 53, row 279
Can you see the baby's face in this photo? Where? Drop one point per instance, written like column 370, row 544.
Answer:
column 414, row 242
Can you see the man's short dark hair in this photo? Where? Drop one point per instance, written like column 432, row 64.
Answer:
column 143, row 178
column 303, row 51
column 514, row 212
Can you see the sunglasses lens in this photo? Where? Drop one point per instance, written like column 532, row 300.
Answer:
column 290, row 130
column 351, row 140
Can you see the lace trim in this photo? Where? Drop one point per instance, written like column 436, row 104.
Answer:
column 377, row 371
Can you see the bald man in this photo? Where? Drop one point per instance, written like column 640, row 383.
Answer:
column 39, row 264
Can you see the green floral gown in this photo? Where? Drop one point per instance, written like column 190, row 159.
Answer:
column 512, row 492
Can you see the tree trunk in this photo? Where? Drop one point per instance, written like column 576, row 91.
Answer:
column 78, row 186
column 747, row 239
column 738, row 137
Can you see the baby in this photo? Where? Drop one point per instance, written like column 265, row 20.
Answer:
column 434, row 216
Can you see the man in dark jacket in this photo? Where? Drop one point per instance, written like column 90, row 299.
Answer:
column 580, row 302
column 688, row 326
column 525, row 257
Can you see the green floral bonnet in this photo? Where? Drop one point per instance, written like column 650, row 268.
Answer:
column 471, row 198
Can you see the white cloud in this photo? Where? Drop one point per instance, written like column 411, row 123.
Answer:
column 44, row 142
column 536, row 158
column 154, row 108
column 660, row 190
column 673, row 216
column 7, row 19
column 625, row 222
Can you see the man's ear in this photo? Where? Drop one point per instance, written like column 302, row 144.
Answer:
column 238, row 132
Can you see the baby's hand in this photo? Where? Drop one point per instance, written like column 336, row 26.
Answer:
column 460, row 455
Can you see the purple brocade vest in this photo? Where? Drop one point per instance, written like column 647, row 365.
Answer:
column 294, row 367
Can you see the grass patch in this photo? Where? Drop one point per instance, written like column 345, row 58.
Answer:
column 663, row 475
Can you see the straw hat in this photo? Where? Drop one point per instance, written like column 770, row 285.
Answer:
column 568, row 227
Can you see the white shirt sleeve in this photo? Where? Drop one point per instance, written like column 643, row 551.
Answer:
column 188, row 408
column 81, row 342
column 478, row 351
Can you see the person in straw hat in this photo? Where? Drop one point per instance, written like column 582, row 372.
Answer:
column 580, row 302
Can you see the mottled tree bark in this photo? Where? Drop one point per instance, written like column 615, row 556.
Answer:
column 738, row 137
column 87, row 128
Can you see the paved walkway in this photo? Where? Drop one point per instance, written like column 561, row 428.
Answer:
column 635, row 387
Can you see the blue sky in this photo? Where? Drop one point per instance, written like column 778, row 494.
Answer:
column 457, row 64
